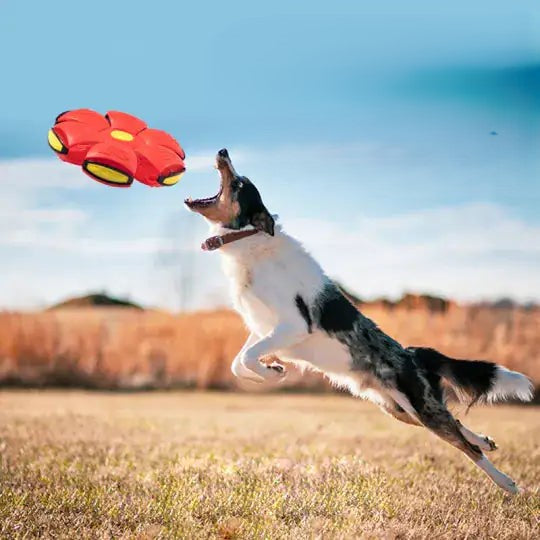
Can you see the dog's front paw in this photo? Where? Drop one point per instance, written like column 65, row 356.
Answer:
column 276, row 371
column 276, row 366
column 267, row 372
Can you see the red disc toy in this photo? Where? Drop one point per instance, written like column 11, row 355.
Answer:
column 117, row 148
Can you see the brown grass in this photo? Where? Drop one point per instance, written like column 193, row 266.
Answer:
column 193, row 465
column 108, row 348
column 123, row 348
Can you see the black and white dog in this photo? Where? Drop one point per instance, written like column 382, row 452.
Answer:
column 294, row 311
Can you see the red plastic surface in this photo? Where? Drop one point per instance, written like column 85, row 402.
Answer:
column 150, row 155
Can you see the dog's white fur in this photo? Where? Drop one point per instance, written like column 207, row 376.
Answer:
column 266, row 273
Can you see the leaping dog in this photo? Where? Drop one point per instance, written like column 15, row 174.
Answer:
column 294, row 311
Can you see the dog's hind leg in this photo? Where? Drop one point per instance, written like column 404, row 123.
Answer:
column 422, row 401
column 447, row 428
column 487, row 444
column 394, row 410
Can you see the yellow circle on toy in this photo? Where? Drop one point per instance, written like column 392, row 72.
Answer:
column 120, row 135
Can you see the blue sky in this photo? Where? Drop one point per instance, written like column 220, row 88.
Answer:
column 367, row 127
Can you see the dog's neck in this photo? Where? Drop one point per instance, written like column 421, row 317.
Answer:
column 215, row 242
column 245, row 244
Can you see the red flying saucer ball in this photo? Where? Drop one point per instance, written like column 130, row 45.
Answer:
column 117, row 148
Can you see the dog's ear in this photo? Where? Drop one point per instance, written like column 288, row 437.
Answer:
column 263, row 221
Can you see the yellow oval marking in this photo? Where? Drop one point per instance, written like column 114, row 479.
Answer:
column 105, row 173
column 120, row 135
column 171, row 180
column 54, row 142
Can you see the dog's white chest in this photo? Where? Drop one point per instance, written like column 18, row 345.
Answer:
column 257, row 315
column 266, row 278
column 250, row 298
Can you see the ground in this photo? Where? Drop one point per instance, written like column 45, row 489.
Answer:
column 212, row 465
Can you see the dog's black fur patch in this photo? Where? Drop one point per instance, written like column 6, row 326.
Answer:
column 304, row 311
column 474, row 376
column 336, row 313
column 252, row 210
column 419, row 384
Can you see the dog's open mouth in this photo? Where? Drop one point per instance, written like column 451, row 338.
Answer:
column 203, row 203
column 225, row 168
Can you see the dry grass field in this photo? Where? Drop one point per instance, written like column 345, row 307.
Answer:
column 223, row 465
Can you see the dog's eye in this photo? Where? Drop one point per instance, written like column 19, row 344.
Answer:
column 236, row 184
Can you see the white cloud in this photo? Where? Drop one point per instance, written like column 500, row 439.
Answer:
column 94, row 246
column 466, row 252
column 42, row 215
column 63, row 229
column 40, row 173
column 37, row 227
column 456, row 230
column 357, row 152
column 24, row 222
column 200, row 162
column 205, row 161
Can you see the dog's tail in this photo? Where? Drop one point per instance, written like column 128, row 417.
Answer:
column 475, row 380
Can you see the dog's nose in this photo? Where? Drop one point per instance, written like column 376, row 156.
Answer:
column 223, row 153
